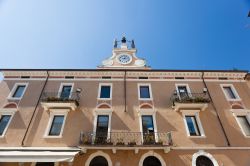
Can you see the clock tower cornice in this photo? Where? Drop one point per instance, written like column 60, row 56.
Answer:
column 124, row 57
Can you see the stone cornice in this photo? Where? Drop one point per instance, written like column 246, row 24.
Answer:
column 134, row 73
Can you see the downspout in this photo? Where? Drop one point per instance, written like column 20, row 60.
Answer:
column 125, row 91
column 33, row 114
column 216, row 111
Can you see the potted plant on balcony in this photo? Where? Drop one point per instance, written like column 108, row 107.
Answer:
column 86, row 140
column 148, row 140
column 160, row 142
column 132, row 143
column 120, row 141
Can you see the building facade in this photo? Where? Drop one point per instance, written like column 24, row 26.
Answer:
column 124, row 113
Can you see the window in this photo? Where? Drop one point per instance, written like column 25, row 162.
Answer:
column 4, row 122
column 65, row 90
column 183, row 91
column 147, row 123
column 192, row 126
column 230, row 92
column 203, row 161
column 56, row 126
column 145, row 92
column 148, row 129
column 56, row 123
column 105, row 91
column 102, row 128
column 244, row 124
column 18, row 91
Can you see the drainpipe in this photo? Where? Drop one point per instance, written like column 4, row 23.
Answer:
column 216, row 111
column 33, row 114
column 125, row 91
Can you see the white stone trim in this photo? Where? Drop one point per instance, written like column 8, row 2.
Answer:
column 55, row 112
column 15, row 88
column 197, row 117
column 150, row 91
column 99, row 153
column 233, row 90
column 241, row 112
column 99, row 91
column 202, row 153
column 65, row 84
column 7, row 111
column 151, row 112
column 151, row 153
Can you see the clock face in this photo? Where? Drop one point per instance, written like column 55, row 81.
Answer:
column 124, row 59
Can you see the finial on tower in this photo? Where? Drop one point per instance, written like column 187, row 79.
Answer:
column 124, row 39
column 132, row 44
column 115, row 43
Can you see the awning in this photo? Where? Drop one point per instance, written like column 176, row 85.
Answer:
column 37, row 156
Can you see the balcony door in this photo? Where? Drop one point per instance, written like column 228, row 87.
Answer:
column 148, row 129
column 66, row 91
column 102, row 128
column 183, row 92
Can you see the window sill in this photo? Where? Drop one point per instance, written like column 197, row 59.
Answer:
column 104, row 98
column 238, row 99
column 14, row 98
column 202, row 136
column 47, row 136
column 147, row 99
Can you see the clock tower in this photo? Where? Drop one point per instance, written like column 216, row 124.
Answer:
column 124, row 57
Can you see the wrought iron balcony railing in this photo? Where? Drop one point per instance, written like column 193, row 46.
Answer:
column 190, row 97
column 126, row 139
column 59, row 97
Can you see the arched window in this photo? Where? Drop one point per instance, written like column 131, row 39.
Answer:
column 98, row 161
column 202, row 158
column 203, row 161
column 151, row 161
column 151, row 158
column 44, row 164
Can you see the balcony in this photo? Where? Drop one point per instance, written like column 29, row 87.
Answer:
column 125, row 139
column 190, row 101
column 51, row 100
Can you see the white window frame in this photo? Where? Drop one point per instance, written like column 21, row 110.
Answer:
column 55, row 112
column 188, row 90
column 7, row 111
column 14, row 90
column 233, row 90
column 197, row 117
column 152, row 113
column 98, row 112
column 241, row 112
column 150, row 91
column 61, row 87
column 99, row 91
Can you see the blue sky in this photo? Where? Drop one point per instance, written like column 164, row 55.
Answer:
column 169, row 34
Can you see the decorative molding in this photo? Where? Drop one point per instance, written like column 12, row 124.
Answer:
column 208, row 76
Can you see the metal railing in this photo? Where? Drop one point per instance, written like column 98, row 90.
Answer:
column 190, row 97
column 60, row 97
column 126, row 139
